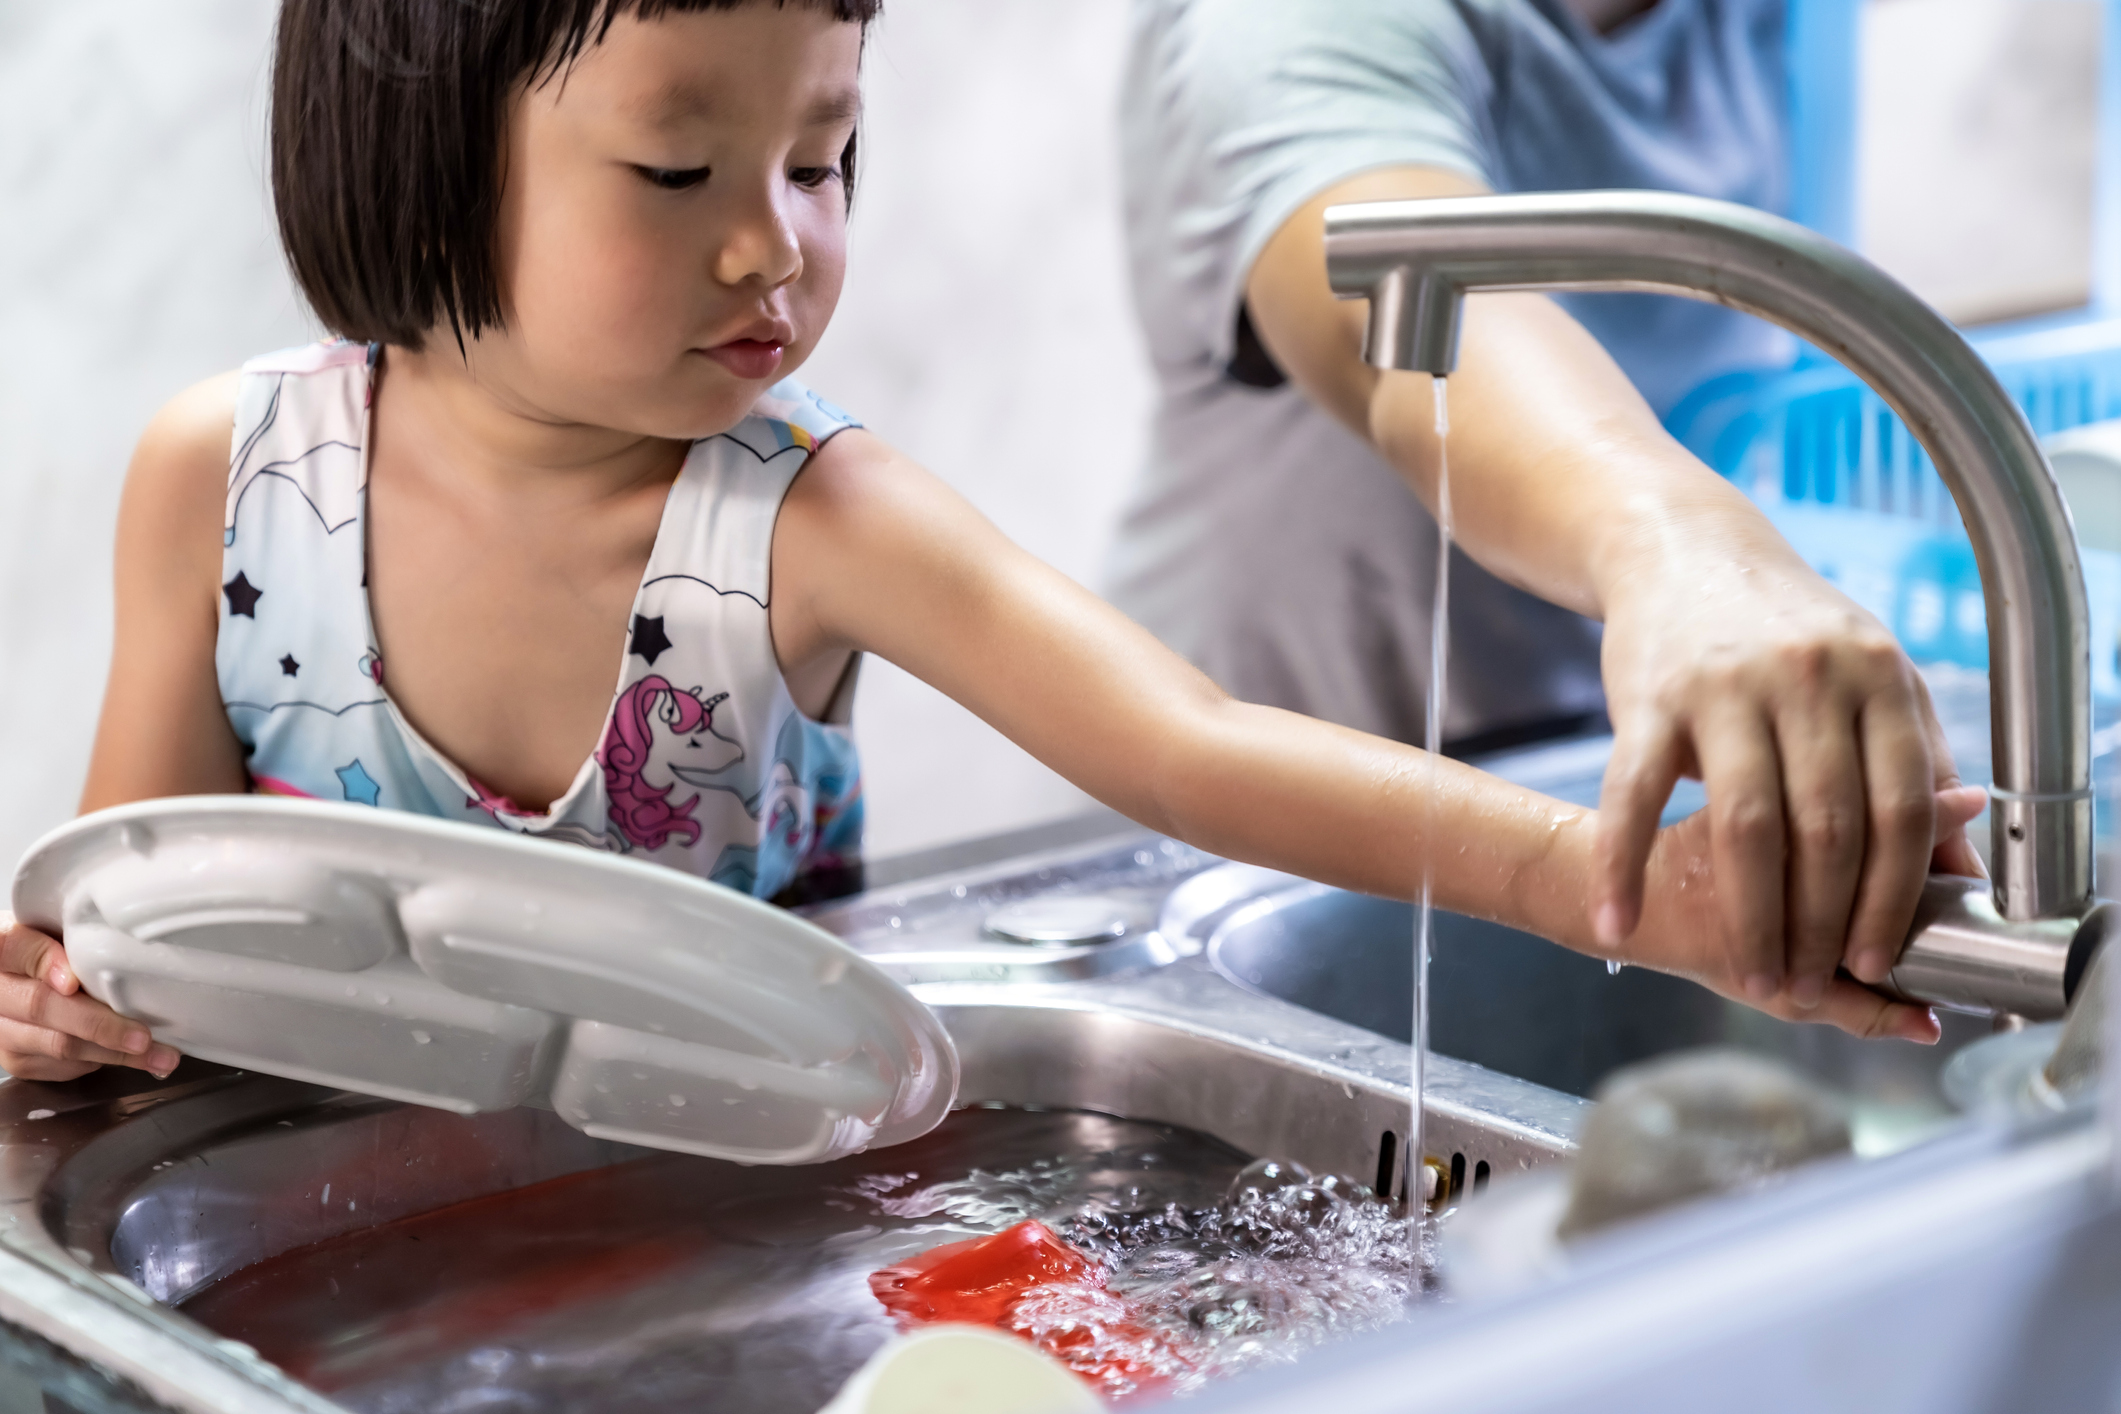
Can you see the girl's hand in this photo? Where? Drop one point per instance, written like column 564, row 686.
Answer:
column 49, row 1028
column 1824, row 763
column 1685, row 930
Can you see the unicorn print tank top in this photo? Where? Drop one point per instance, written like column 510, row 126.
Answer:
column 705, row 764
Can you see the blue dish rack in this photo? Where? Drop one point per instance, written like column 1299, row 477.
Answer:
column 1841, row 477
column 1833, row 466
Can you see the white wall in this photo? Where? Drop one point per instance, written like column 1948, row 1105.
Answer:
column 985, row 330
column 1979, row 127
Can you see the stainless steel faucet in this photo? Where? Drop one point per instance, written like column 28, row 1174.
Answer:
column 1415, row 261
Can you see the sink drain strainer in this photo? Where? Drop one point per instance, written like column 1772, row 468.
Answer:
column 1060, row 922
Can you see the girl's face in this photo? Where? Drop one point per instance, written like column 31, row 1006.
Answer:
column 672, row 232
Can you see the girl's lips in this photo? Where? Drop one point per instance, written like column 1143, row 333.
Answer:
column 747, row 358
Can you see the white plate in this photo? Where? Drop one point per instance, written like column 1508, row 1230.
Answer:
column 474, row 969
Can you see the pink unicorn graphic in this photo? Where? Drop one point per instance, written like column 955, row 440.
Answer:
column 662, row 736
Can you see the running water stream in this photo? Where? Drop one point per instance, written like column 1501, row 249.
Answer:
column 1415, row 1162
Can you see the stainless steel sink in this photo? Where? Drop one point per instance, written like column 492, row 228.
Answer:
column 120, row 1196
column 1516, row 1004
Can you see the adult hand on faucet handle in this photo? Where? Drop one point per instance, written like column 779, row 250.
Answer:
column 52, row 1030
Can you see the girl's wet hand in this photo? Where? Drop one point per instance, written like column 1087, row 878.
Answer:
column 1683, row 928
column 1831, row 792
column 52, row 1030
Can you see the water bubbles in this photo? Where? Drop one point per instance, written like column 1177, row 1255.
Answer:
column 1287, row 1263
column 1263, row 1176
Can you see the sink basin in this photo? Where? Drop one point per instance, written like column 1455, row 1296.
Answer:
column 1517, row 1004
column 128, row 1206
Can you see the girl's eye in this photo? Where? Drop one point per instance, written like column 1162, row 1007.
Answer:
column 669, row 179
column 812, row 177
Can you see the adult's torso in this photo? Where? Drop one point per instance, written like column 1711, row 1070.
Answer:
column 1264, row 541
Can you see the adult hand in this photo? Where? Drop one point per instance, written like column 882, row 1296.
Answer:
column 1825, row 767
column 1725, row 658
column 49, row 1028
column 1686, row 913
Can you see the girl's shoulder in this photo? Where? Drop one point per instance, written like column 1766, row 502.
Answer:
column 789, row 414
column 324, row 357
column 184, row 449
column 187, row 449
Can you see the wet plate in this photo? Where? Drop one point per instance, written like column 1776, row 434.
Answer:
column 473, row 970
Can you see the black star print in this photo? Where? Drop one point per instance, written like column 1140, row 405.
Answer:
column 289, row 667
column 243, row 596
column 649, row 640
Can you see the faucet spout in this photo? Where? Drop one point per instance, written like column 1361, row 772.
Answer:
column 1415, row 261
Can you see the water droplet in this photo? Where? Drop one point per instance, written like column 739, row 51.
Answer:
column 421, row 1038
column 1612, row 967
column 677, row 1102
column 42, row 1114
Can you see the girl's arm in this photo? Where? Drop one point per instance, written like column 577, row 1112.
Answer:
column 1725, row 656
column 163, row 730
column 873, row 553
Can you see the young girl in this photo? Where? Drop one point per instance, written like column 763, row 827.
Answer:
column 575, row 249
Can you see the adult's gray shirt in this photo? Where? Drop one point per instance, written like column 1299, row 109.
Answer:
column 1264, row 541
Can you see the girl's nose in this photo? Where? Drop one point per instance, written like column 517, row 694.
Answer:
column 762, row 246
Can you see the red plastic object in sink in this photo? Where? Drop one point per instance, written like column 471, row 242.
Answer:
column 985, row 1280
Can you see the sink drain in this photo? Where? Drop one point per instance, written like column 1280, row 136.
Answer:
column 1060, row 922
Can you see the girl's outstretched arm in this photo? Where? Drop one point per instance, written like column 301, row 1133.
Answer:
column 873, row 553
column 163, row 731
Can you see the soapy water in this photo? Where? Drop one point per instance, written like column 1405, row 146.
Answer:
column 673, row 1282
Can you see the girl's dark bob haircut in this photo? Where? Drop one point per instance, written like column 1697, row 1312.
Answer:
column 386, row 146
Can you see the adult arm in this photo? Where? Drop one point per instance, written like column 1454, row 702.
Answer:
column 1725, row 657
column 872, row 553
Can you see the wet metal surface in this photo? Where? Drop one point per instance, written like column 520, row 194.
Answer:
column 672, row 1282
